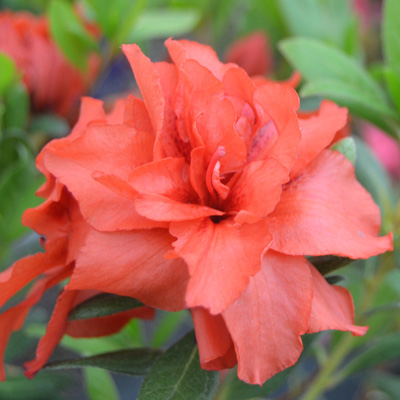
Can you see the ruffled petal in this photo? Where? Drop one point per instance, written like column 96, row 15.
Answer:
column 326, row 211
column 332, row 307
column 221, row 258
column 216, row 348
column 268, row 318
column 133, row 265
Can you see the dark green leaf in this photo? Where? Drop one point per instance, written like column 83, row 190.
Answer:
column 16, row 102
column 8, row 72
column 70, row 33
column 100, row 385
column 103, row 305
column 51, row 125
column 177, row 375
column 386, row 307
column 389, row 384
column 347, row 147
column 391, row 34
column 334, row 279
column 327, row 264
column 382, row 349
column 132, row 362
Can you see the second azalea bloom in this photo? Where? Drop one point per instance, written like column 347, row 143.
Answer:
column 207, row 194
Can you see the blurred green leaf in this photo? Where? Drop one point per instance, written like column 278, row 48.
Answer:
column 393, row 84
column 333, row 74
column 132, row 362
column 177, row 375
column 70, row 33
column 330, row 263
column 163, row 23
column 168, row 325
column 377, row 351
column 102, row 305
column 51, row 125
column 347, row 147
column 388, row 383
column 334, row 279
column 391, row 34
column 386, row 307
column 8, row 72
column 16, row 101
column 100, row 385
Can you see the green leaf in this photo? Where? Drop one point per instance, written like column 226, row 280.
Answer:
column 327, row 264
column 132, row 362
column 17, row 104
column 70, row 33
column 347, row 147
column 167, row 326
column 388, row 383
column 155, row 24
column 393, row 83
column 382, row 349
column 102, row 305
column 8, row 72
column 51, row 125
column 394, row 306
column 334, row 279
column 100, row 385
column 391, row 34
column 177, row 375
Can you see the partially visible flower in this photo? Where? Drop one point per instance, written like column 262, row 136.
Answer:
column 54, row 84
column 207, row 194
column 63, row 231
column 252, row 53
column 386, row 149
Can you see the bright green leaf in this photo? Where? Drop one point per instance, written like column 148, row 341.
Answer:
column 100, row 385
column 347, row 147
column 70, row 33
column 177, row 375
column 8, row 72
column 391, row 34
column 132, row 362
column 393, row 83
column 102, row 305
column 155, row 24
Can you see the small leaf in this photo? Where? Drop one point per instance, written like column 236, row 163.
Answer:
column 382, row 349
column 347, row 147
column 8, row 72
column 70, row 34
column 327, row 264
column 132, row 362
column 177, row 375
column 334, row 279
column 100, row 385
column 391, row 34
column 102, row 305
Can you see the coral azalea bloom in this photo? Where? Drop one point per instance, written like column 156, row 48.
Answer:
column 207, row 194
column 54, row 84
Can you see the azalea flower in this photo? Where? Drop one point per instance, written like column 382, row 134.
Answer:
column 207, row 194
column 63, row 231
column 54, row 84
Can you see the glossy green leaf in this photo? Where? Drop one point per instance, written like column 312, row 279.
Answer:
column 330, row 263
column 347, row 147
column 177, row 375
column 102, row 305
column 16, row 101
column 391, row 34
column 380, row 350
column 132, row 362
column 8, row 72
column 70, row 33
column 100, row 385
column 155, row 24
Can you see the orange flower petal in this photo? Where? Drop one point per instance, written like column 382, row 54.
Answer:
column 268, row 318
column 221, row 259
column 326, row 211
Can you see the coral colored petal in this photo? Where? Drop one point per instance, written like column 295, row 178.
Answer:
column 332, row 307
column 326, row 211
column 280, row 103
column 221, row 258
column 136, row 115
column 114, row 150
column 133, row 265
column 268, row 318
column 259, row 187
column 317, row 132
column 216, row 348
column 54, row 332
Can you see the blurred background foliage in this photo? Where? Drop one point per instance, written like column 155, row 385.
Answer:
column 346, row 51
